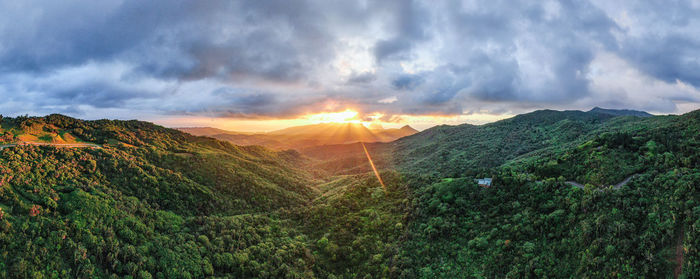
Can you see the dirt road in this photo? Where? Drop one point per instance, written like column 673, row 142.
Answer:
column 678, row 257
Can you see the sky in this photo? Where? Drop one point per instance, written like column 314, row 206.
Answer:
column 265, row 65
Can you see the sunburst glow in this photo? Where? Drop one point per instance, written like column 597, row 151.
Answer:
column 346, row 116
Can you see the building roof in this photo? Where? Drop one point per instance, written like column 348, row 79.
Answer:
column 484, row 181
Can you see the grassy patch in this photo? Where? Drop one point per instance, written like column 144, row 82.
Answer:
column 46, row 138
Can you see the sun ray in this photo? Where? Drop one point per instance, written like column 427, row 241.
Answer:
column 371, row 163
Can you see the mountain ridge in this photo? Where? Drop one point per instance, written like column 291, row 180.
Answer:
column 621, row 112
column 552, row 127
column 300, row 137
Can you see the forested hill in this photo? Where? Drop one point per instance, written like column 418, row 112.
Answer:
column 621, row 112
column 169, row 169
column 143, row 204
column 130, row 199
column 534, row 222
column 454, row 150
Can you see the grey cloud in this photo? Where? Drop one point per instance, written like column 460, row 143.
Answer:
column 39, row 35
column 663, row 38
column 667, row 58
column 245, row 99
column 362, row 78
column 409, row 23
column 407, row 82
column 563, row 45
column 99, row 95
column 274, row 40
column 280, row 58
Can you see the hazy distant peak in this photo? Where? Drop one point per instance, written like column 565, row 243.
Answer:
column 408, row 128
column 620, row 112
column 309, row 135
column 205, row 131
column 376, row 126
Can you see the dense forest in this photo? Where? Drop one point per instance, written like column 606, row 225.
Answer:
column 151, row 202
column 137, row 200
column 532, row 221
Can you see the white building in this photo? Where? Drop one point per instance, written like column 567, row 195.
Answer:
column 484, row 182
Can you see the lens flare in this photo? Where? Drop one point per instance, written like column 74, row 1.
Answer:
column 371, row 163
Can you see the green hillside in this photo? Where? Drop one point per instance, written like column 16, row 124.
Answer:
column 151, row 202
column 574, row 194
column 454, row 150
column 531, row 223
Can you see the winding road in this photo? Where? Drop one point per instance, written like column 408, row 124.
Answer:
column 615, row 187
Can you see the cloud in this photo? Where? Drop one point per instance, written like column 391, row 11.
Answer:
column 361, row 78
column 280, row 59
column 661, row 39
column 409, row 22
column 407, row 82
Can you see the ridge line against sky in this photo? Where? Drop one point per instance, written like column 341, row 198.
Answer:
column 263, row 65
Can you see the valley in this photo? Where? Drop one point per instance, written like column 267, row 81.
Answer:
column 307, row 136
column 314, row 139
column 154, row 202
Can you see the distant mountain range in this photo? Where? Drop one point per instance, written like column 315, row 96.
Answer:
column 307, row 136
column 299, row 137
column 207, row 131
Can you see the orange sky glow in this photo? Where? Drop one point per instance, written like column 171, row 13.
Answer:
column 419, row 122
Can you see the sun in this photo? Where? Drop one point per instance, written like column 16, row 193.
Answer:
column 346, row 116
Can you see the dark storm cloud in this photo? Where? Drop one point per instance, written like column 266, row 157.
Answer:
column 281, row 58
